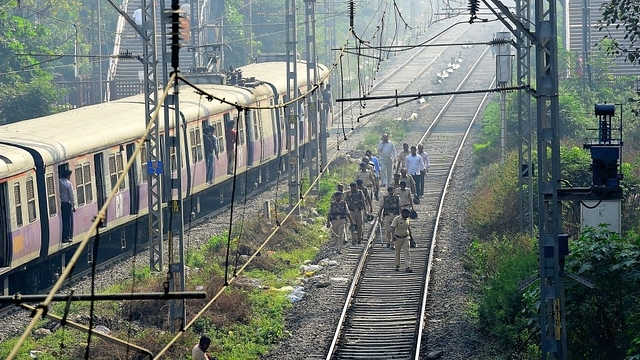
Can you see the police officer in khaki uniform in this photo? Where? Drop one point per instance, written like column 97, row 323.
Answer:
column 355, row 200
column 405, row 195
column 367, row 176
column 389, row 209
column 400, row 227
column 411, row 183
column 337, row 217
column 368, row 206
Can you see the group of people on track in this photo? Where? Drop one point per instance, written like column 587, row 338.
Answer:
column 402, row 175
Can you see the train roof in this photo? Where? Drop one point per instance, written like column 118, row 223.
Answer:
column 276, row 72
column 89, row 129
column 14, row 161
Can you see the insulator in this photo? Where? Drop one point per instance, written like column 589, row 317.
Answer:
column 474, row 7
column 352, row 13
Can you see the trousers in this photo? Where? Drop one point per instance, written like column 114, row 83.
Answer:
column 402, row 245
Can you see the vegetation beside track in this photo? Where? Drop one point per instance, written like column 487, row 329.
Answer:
column 602, row 323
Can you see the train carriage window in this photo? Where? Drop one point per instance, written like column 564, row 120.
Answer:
column 240, row 128
column 256, row 124
column 79, row 185
column 18, row 204
column 174, row 159
column 144, row 158
column 116, row 167
column 196, row 145
column 120, row 164
column 88, row 190
column 31, row 200
column 218, row 132
column 51, row 196
column 223, row 145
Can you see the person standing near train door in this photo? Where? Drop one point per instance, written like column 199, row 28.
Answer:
column 67, row 205
column 210, row 150
column 387, row 152
column 230, row 137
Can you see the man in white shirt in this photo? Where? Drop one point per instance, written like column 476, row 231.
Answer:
column 423, row 173
column 414, row 165
column 387, row 152
column 199, row 351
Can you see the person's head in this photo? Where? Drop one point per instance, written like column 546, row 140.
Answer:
column 337, row 195
column 403, row 184
column 390, row 189
column 420, row 148
column 363, row 165
column 66, row 173
column 204, row 343
column 359, row 183
column 405, row 213
column 403, row 171
column 405, row 147
column 340, row 187
column 208, row 130
column 353, row 185
column 396, row 178
column 368, row 154
column 328, row 86
column 385, row 137
column 413, row 150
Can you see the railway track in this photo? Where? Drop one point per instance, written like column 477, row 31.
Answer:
column 384, row 311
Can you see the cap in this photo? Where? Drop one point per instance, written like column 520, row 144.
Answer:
column 353, row 184
column 340, row 185
column 368, row 152
column 337, row 193
column 359, row 181
column 403, row 182
column 363, row 163
column 389, row 188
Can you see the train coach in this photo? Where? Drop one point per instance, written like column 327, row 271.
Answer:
column 95, row 143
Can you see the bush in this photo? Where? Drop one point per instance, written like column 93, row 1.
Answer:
column 501, row 265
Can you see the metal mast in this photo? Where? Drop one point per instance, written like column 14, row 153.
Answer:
column 291, row 111
column 552, row 301
column 154, row 162
column 525, row 175
column 312, row 100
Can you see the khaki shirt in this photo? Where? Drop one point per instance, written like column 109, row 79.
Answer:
column 411, row 184
column 400, row 226
column 405, row 197
column 367, row 177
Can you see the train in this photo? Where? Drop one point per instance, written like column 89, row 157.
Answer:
column 95, row 142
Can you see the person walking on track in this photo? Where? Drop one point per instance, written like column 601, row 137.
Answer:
column 356, row 201
column 387, row 153
column 400, row 228
column 337, row 217
column 389, row 209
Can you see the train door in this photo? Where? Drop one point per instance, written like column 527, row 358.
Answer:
column 101, row 196
column 134, row 204
column 4, row 227
column 260, row 133
column 248, row 117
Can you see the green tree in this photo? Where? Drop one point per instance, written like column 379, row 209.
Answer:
column 625, row 14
